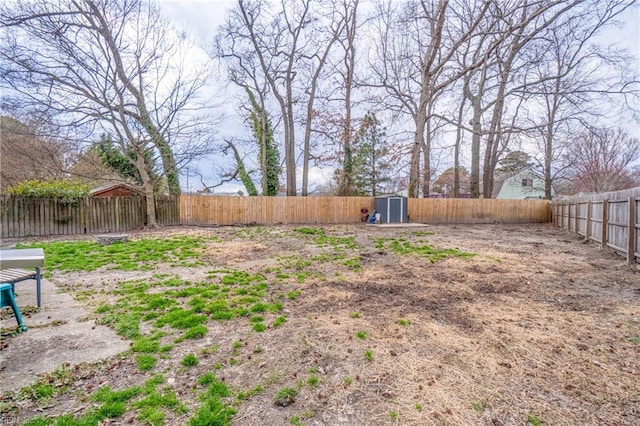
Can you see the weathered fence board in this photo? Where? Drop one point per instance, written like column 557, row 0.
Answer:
column 203, row 210
column 610, row 219
column 29, row 216
column 465, row 210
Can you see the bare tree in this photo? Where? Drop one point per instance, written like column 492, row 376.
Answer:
column 27, row 153
column 415, row 45
column 111, row 64
column 345, row 177
column 327, row 30
column 276, row 40
column 235, row 52
column 287, row 46
column 602, row 160
column 577, row 81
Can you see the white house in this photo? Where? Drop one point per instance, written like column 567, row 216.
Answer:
column 518, row 186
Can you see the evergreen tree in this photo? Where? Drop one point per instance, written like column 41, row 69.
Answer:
column 114, row 159
column 515, row 162
column 370, row 162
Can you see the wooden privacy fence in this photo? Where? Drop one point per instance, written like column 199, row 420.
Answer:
column 206, row 209
column 611, row 219
column 29, row 216
column 465, row 210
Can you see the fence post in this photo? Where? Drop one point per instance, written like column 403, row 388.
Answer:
column 631, row 234
column 569, row 216
column 605, row 213
column 576, row 225
column 561, row 224
column 587, row 226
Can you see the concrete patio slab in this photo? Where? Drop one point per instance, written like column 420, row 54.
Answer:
column 59, row 333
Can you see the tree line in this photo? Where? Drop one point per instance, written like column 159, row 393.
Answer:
column 386, row 93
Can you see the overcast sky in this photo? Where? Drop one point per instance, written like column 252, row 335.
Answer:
column 201, row 18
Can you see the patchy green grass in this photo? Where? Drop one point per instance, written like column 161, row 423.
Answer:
column 313, row 381
column 259, row 327
column 190, row 360
column 423, row 233
column 285, row 396
column 171, row 305
column 146, row 362
column 278, row 321
column 478, row 406
column 353, row 263
column 150, row 402
column 309, row 231
column 213, row 410
column 401, row 246
column 294, row 294
column 321, row 239
column 249, row 393
column 196, row 332
column 362, row 335
column 134, row 255
column 49, row 385
column 368, row 354
column 533, row 420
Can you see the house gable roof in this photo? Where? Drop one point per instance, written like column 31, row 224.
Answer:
column 106, row 188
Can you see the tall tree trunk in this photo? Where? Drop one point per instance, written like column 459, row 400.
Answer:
column 290, row 144
column 475, row 146
column 264, row 165
column 456, row 150
column 345, row 179
column 418, row 143
column 491, row 148
column 426, row 156
column 307, row 143
column 548, row 140
column 149, row 193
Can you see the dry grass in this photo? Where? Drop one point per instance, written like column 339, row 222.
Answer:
column 536, row 326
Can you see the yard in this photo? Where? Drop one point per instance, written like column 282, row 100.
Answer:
column 351, row 325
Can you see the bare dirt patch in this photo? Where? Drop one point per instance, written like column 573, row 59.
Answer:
column 536, row 326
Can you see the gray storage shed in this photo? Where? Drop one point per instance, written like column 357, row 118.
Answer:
column 392, row 209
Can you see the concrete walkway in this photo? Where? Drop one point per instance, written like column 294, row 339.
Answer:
column 57, row 334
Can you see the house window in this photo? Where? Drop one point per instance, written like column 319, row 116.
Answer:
column 527, row 182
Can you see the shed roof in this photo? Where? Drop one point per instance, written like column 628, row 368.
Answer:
column 106, row 188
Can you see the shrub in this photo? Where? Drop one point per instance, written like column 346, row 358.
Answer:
column 67, row 192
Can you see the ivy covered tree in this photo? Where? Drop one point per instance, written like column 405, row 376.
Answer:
column 268, row 155
column 371, row 167
column 241, row 170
